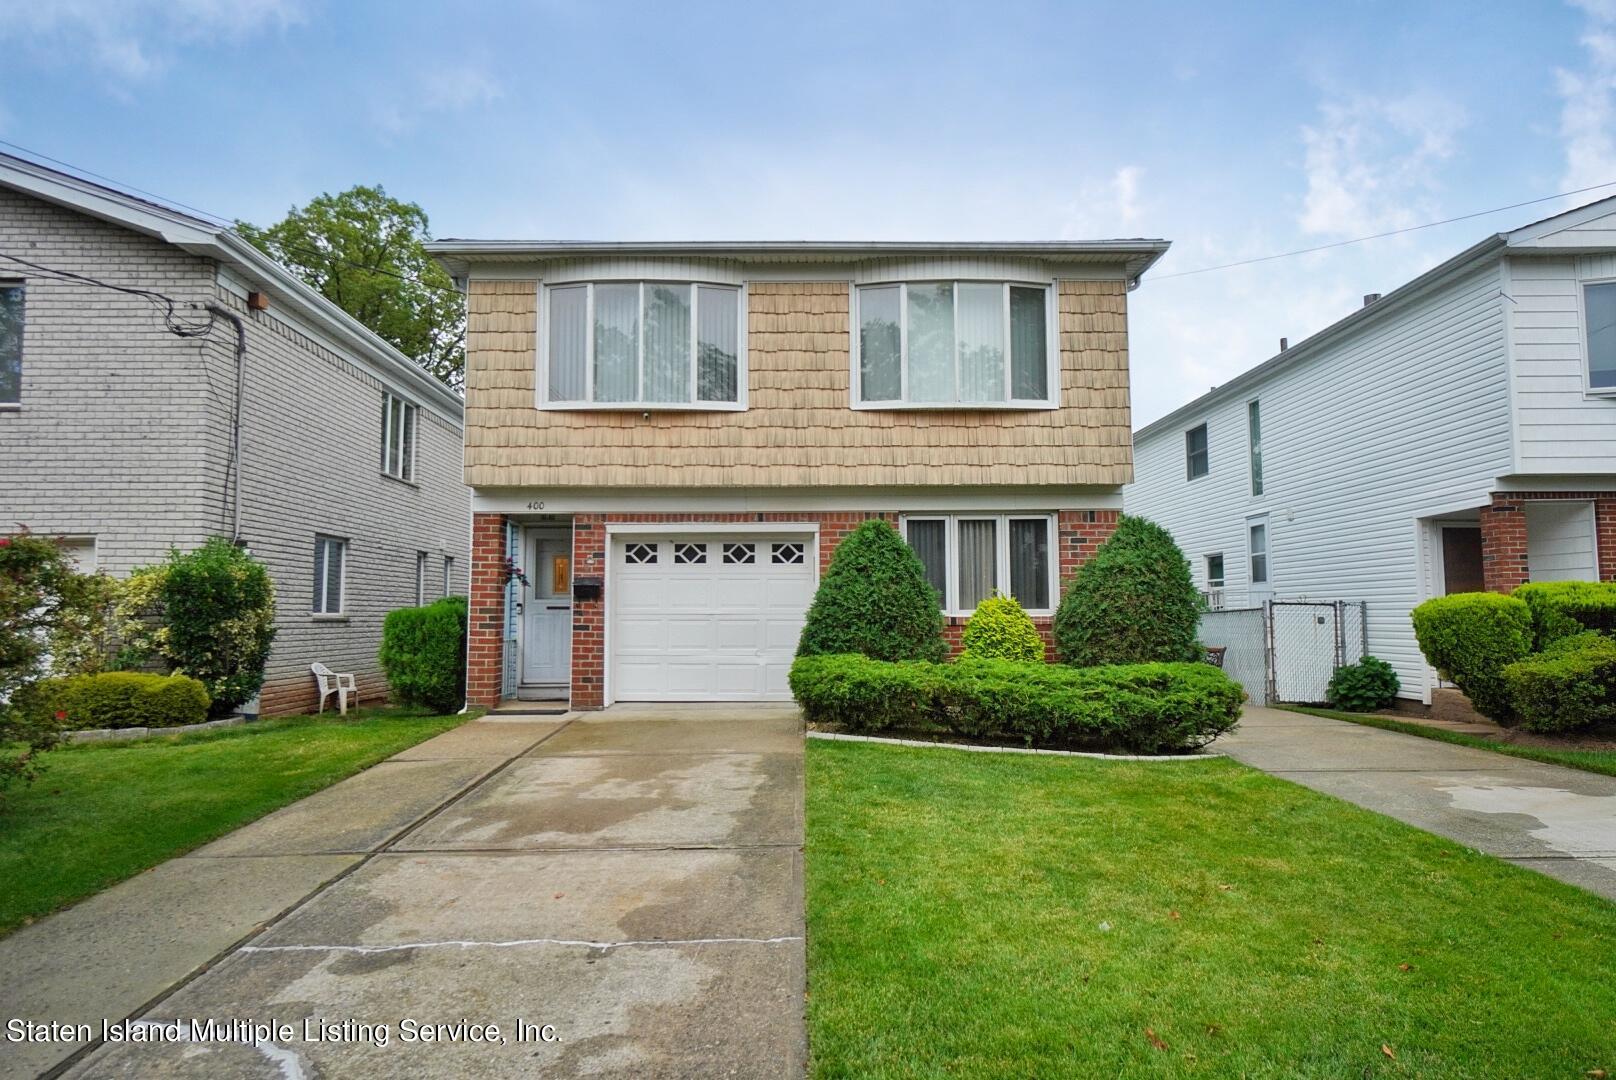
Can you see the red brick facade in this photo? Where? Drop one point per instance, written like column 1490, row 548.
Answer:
column 1079, row 532
column 1503, row 535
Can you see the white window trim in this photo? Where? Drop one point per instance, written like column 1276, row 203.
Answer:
column 1202, row 426
column 22, row 345
column 1001, row 551
column 412, row 415
column 319, row 586
column 1267, row 584
column 1256, row 479
column 541, row 372
column 1052, row 350
column 1588, row 387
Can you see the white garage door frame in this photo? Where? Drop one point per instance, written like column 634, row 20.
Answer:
column 621, row 530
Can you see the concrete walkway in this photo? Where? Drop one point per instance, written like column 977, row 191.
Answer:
column 1555, row 820
column 625, row 886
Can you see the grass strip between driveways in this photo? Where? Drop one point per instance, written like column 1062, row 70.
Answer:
column 992, row 915
column 1597, row 761
column 102, row 812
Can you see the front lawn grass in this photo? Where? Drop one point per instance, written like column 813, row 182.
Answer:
column 991, row 915
column 101, row 812
column 1599, row 761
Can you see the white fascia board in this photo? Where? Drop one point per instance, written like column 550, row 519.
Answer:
column 1534, row 235
column 1040, row 499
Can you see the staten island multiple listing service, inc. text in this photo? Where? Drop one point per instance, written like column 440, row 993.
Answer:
column 311, row 1029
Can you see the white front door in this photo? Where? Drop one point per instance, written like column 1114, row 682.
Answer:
column 547, row 611
column 708, row 616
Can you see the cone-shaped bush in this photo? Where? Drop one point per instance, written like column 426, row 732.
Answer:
column 1134, row 602
column 875, row 600
column 1000, row 630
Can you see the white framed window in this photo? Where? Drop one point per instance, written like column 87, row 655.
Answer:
column 330, row 574
column 1599, row 335
column 11, row 317
column 1254, row 438
column 642, row 345
column 420, row 578
column 448, row 575
column 969, row 557
column 955, row 344
column 1214, row 582
column 1257, row 551
column 399, row 419
column 1197, row 457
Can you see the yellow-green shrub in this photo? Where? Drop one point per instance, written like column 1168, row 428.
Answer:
column 118, row 699
column 1000, row 630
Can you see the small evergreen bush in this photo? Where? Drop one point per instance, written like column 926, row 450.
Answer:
column 1470, row 638
column 1000, row 630
column 219, row 620
column 34, row 574
column 874, row 600
column 424, row 654
column 1368, row 685
column 1571, row 686
column 1134, row 602
column 119, row 699
column 1562, row 608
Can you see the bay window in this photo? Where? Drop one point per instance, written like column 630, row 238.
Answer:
column 642, row 344
column 953, row 343
column 969, row 557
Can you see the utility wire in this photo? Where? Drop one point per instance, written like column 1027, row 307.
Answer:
column 166, row 304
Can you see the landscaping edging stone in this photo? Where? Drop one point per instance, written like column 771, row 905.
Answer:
column 838, row 736
column 125, row 734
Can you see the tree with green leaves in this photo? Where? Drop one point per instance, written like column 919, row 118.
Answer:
column 365, row 252
column 1133, row 602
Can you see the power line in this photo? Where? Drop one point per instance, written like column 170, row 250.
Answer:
column 1382, row 235
column 165, row 303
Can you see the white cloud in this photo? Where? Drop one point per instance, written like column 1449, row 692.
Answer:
column 135, row 39
column 1372, row 163
column 1588, row 114
column 1104, row 209
column 441, row 91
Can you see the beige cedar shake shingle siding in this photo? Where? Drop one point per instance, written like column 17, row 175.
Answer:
column 798, row 430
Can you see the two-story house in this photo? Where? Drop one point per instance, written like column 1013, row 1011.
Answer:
column 1454, row 435
column 135, row 418
column 668, row 440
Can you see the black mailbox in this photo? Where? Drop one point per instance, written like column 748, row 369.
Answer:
column 586, row 588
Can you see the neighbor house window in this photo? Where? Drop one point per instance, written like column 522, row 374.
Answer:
column 1599, row 309
column 643, row 343
column 1214, row 582
column 10, row 343
column 1196, row 460
column 330, row 565
column 420, row 578
column 448, row 575
column 1258, row 549
column 398, row 437
column 1254, row 434
column 969, row 557
column 954, row 343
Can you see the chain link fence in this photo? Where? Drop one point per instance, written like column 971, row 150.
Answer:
column 1286, row 650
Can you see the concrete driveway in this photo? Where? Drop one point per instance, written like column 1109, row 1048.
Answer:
column 620, row 893
column 1548, row 818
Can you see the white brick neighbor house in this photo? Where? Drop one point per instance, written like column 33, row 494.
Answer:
column 670, row 440
column 1456, row 434
column 120, row 435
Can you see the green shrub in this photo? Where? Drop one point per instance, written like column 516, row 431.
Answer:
column 1368, row 685
column 119, row 699
column 1587, row 639
column 1134, row 602
column 1568, row 687
column 1147, row 708
column 1000, row 630
column 219, row 616
column 1470, row 638
column 424, row 654
column 874, row 600
column 1562, row 608
column 34, row 586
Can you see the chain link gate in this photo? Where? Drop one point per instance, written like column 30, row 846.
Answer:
column 1286, row 650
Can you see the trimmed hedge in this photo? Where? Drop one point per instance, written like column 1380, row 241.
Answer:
column 1000, row 630
column 1146, row 708
column 1368, row 685
column 118, row 699
column 1470, row 638
column 1571, row 686
column 424, row 654
column 1562, row 608
column 874, row 600
column 1134, row 602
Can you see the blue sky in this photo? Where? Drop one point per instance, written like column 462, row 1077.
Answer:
column 1232, row 130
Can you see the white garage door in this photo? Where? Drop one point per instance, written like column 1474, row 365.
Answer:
column 707, row 617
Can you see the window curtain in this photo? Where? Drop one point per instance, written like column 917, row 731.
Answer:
column 931, row 341
column 880, row 334
column 569, row 340
column 717, row 345
column 1029, row 347
column 977, row 562
column 929, row 541
column 667, row 343
column 1029, row 562
column 981, row 344
column 617, row 342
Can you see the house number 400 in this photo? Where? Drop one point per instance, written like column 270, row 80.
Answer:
column 536, row 504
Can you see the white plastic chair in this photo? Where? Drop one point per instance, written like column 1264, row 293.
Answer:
column 332, row 682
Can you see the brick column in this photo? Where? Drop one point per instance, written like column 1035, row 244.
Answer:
column 485, row 647
column 1503, row 543
column 589, row 616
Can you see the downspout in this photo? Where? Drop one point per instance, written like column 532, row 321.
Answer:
column 233, row 474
